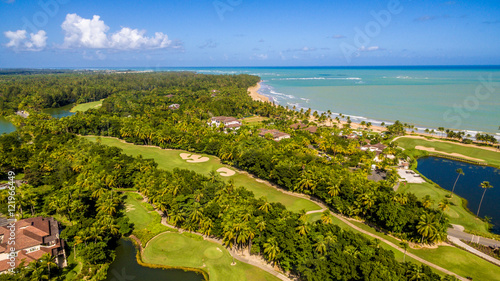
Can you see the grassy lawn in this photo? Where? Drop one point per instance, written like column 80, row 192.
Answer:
column 456, row 212
column 461, row 262
column 456, row 260
column 147, row 223
column 492, row 157
column 255, row 120
column 86, row 106
column 169, row 159
column 174, row 249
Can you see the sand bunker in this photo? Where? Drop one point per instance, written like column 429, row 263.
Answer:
column 192, row 158
column 432, row 149
column 225, row 172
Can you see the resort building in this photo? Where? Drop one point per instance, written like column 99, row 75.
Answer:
column 229, row 122
column 276, row 135
column 298, row 126
column 34, row 237
column 311, row 130
column 174, row 106
column 214, row 93
column 377, row 148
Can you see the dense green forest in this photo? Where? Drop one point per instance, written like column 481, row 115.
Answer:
column 82, row 177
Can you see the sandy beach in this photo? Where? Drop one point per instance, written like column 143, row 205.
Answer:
column 255, row 95
column 253, row 91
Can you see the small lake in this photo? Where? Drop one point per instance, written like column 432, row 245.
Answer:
column 7, row 127
column 125, row 267
column 442, row 172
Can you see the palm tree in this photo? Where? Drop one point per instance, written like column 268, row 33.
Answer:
column 271, row 249
column 405, row 245
column 427, row 202
column 333, row 190
column 302, row 228
column 426, row 226
column 48, row 261
column 266, row 206
column 325, row 217
column 320, row 245
column 415, row 273
column 443, row 206
column 459, row 172
column 486, row 185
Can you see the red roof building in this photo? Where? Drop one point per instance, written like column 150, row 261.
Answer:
column 34, row 237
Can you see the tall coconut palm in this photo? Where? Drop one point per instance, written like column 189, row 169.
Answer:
column 459, row 172
column 427, row 226
column 443, row 206
column 405, row 246
column 320, row 245
column 325, row 217
column 486, row 185
column 271, row 249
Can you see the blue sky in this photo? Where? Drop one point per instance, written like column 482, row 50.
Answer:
column 70, row 33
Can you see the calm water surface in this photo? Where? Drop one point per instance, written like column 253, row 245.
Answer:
column 442, row 172
column 125, row 267
column 7, row 127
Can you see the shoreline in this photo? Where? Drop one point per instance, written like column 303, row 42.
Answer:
column 254, row 94
column 356, row 123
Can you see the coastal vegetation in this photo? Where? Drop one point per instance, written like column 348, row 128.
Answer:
column 491, row 157
column 83, row 176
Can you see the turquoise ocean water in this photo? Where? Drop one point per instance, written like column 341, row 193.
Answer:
column 461, row 98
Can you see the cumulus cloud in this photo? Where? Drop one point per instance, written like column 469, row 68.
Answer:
column 19, row 41
column 93, row 33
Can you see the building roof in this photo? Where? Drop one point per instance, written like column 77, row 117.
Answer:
column 311, row 130
column 275, row 133
column 174, row 106
column 31, row 232
column 377, row 148
column 298, row 125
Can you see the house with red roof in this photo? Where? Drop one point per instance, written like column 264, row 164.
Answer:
column 33, row 238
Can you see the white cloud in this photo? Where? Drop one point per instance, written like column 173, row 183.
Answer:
column 369, row 49
column 19, row 40
column 80, row 32
column 92, row 33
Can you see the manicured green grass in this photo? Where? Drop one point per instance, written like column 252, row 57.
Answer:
column 86, row 106
column 254, row 120
column 313, row 217
column 461, row 262
column 492, row 157
column 174, row 249
column 456, row 212
column 169, row 159
column 451, row 258
column 147, row 224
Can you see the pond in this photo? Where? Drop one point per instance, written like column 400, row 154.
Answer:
column 7, row 127
column 125, row 267
column 443, row 172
